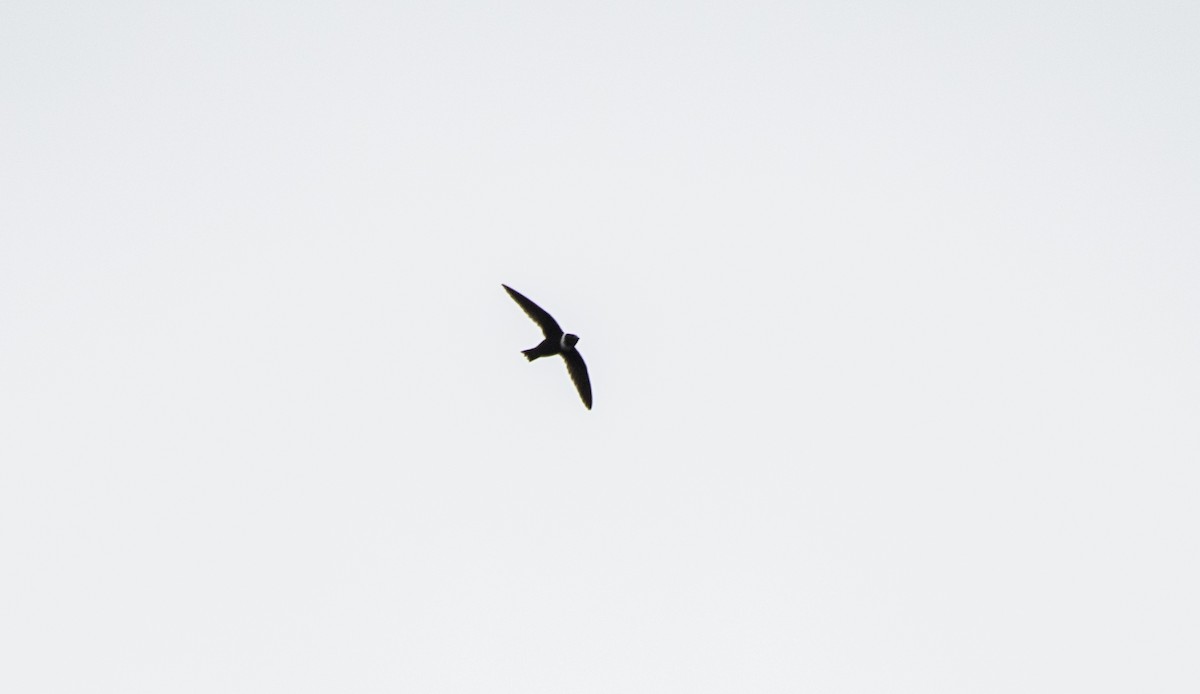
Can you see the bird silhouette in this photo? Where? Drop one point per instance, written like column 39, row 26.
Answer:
column 557, row 342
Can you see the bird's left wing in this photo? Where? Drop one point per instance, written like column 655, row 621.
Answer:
column 579, row 375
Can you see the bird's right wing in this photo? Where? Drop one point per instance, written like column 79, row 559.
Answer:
column 579, row 375
column 548, row 325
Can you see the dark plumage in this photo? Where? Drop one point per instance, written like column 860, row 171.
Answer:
column 556, row 343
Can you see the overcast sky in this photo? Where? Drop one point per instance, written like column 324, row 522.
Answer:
column 892, row 313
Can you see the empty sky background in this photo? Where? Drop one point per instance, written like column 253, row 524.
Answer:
column 892, row 312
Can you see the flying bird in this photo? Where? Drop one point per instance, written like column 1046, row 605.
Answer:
column 556, row 343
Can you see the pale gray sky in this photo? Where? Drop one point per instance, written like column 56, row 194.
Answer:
column 891, row 310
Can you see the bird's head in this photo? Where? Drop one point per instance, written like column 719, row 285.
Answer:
column 568, row 341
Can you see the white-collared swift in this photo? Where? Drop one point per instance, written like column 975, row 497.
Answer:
column 557, row 342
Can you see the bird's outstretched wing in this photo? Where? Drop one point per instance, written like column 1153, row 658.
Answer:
column 579, row 375
column 544, row 320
